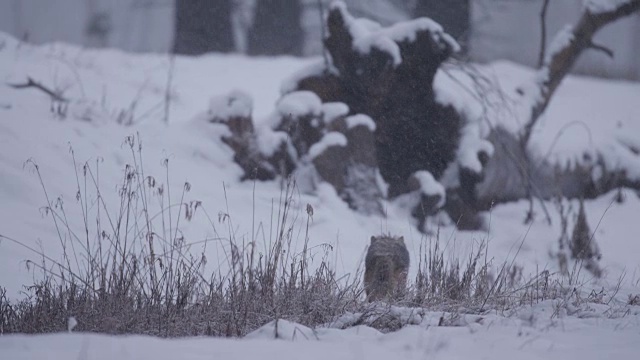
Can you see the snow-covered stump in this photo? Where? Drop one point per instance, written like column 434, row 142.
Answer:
column 339, row 149
column 387, row 74
column 301, row 118
column 329, row 157
column 346, row 159
column 234, row 111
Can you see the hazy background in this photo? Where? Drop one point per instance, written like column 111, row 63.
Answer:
column 488, row 29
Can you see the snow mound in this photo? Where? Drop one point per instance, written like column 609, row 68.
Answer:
column 300, row 103
column 237, row 103
column 283, row 329
column 380, row 313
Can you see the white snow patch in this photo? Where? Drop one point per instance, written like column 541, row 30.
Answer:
column 237, row 103
column 603, row 6
column 471, row 144
column 361, row 120
column 330, row 139
column 316, row 68
column 283, row 329
column 333, row 110
column 300, row 103
column 92, row 112
column 71, row 323
column 618, row 156
column 270, row 141
column 430, row 186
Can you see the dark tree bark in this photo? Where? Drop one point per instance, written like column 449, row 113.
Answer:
column 276, row 29
column 453, row 15
column 203, row 26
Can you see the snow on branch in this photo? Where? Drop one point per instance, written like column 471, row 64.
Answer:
column 333, row 138
column 604, row 6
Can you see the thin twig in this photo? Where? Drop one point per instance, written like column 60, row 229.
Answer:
column 543, row 33
column 601, row 48
column 167, row 92
column 30, row 83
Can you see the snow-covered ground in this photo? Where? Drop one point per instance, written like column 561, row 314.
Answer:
column 532, row 334
column 104, row 84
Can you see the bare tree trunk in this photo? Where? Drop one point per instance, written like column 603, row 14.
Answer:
column 276, row 28
column 203, row 26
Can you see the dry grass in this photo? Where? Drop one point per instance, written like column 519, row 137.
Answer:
column 130, row 269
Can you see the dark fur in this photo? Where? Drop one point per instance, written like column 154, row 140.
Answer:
column 386, row 267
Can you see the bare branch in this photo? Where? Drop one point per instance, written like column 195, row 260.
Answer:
column 167, row 90
column 602, row 48
column 54, row 95
column 543, row 32
column 323, row 32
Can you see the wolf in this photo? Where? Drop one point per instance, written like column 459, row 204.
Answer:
column 386, row 267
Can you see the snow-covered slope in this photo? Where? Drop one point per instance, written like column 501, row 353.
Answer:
column 105, row 84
